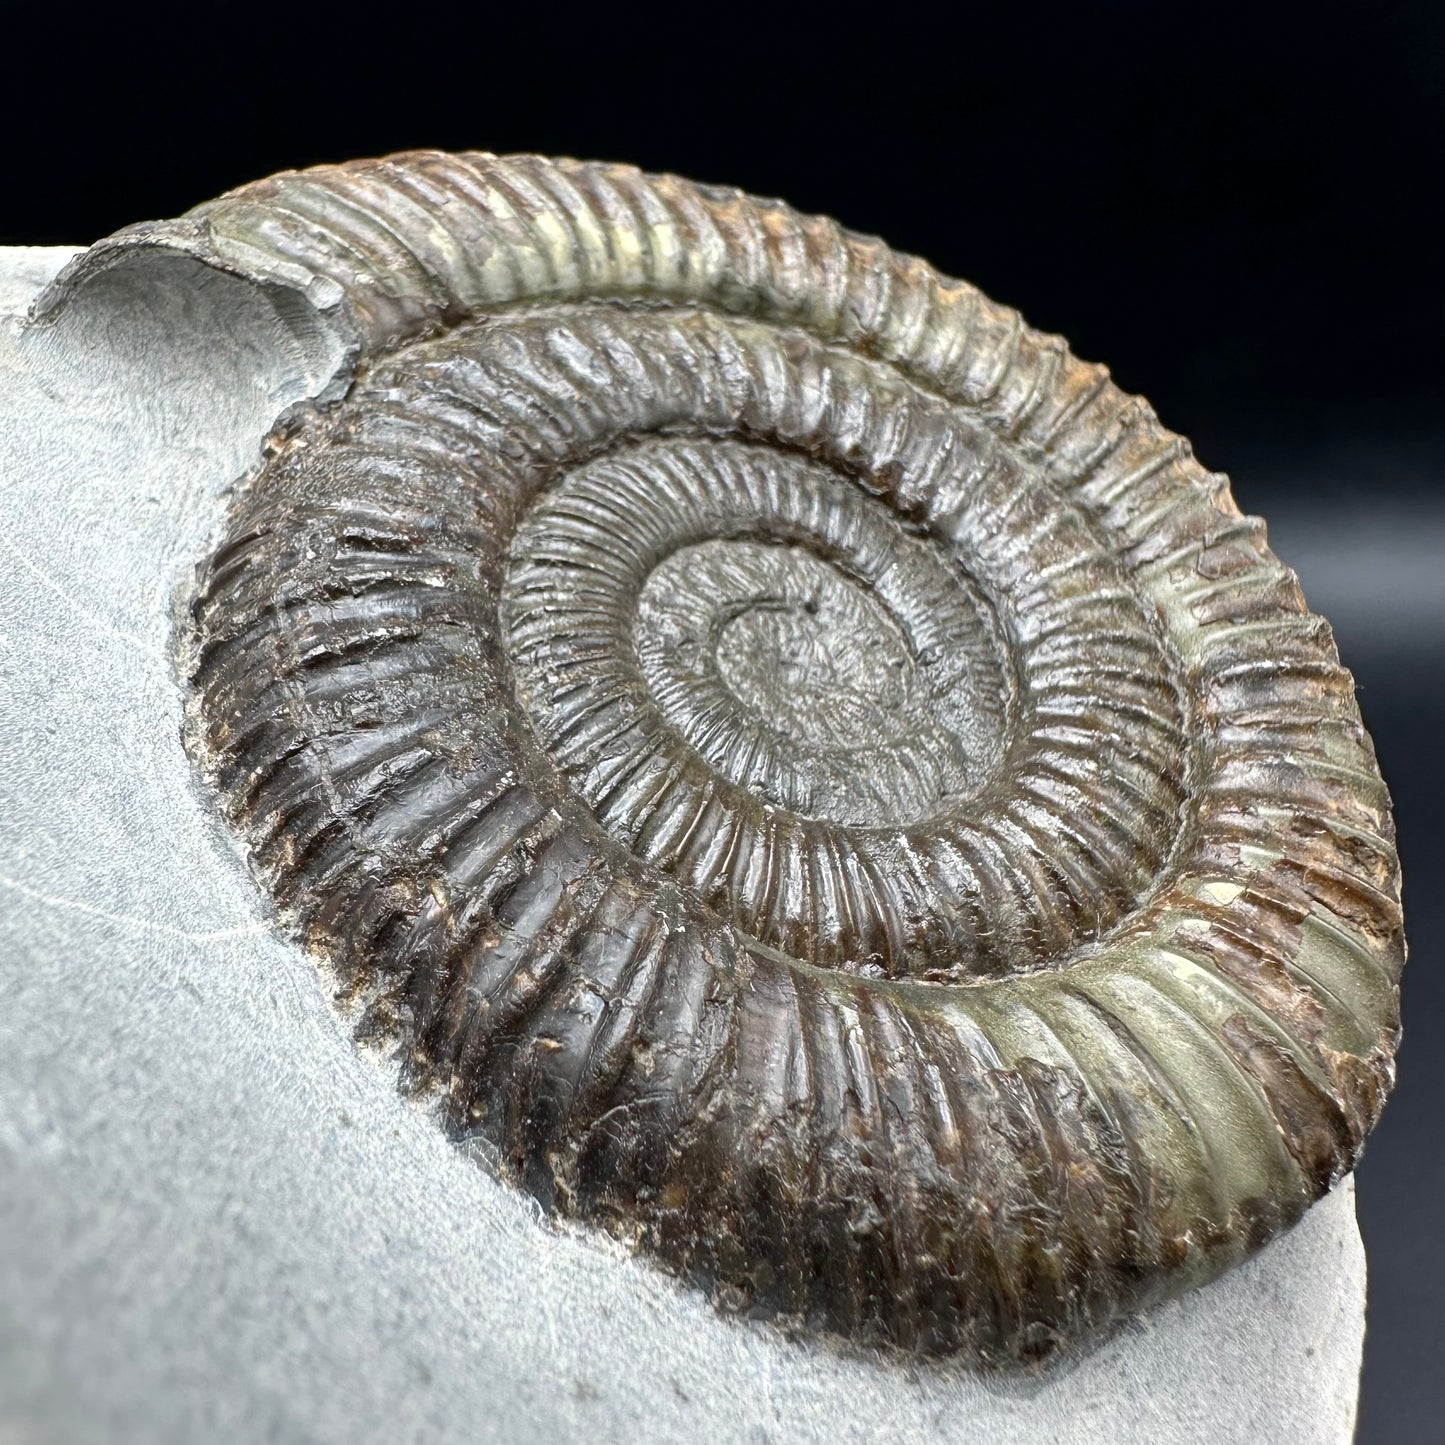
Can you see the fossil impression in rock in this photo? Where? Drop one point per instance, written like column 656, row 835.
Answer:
column 814, row 774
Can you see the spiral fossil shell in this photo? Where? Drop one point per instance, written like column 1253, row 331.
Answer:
column 813, row 773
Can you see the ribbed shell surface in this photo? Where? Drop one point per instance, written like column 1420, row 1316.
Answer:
column 821, row 780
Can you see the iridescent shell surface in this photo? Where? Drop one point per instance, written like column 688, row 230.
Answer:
column 817, row 777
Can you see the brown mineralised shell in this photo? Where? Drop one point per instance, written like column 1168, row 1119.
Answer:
column 817, row 777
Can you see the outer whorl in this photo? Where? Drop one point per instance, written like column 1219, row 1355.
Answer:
column 813, row 773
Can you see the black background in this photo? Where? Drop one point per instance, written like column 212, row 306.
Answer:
column 1240, row 210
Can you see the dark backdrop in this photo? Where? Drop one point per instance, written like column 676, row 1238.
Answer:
column 1240, row 210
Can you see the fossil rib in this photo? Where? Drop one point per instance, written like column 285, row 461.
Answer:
column 814, row 773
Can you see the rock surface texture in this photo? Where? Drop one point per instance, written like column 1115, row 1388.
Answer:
column 225, row 1221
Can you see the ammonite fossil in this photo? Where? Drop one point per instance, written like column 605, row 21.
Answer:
column 809, row 770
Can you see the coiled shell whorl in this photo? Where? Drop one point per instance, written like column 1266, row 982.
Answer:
column 809, row 770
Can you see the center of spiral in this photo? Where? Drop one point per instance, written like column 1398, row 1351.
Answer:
column 806, row 686
column 798, row 645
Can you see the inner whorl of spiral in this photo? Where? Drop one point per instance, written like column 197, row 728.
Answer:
column 771, row 618
column 815, row 775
